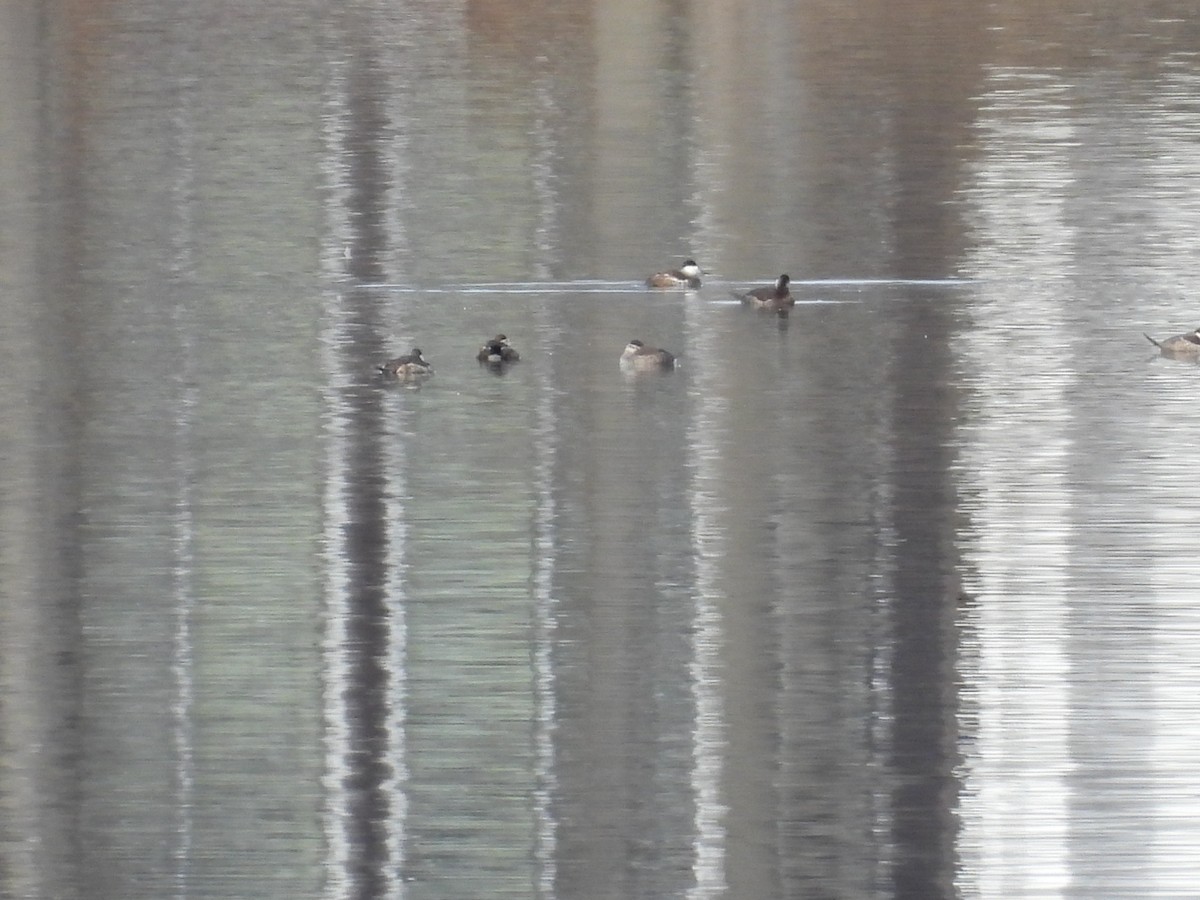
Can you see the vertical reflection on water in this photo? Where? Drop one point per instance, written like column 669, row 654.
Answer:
column 182, row 134
column 880, row 700
column 708, row 408
column 338, row 809
column 394, row 629
column 545, row 611
column 544, row 686
column 335, row 513
column 335, row 330
column 704, row 669
column 545, row 150
column 364, row 644
column 923, row 692
column 1015, row 460
column 364, row 641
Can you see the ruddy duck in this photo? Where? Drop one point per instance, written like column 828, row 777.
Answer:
column 1179, row 344
column 412, row 365
column 774, row 298
column 687, row 275
column 497, row 351
column 638, row 357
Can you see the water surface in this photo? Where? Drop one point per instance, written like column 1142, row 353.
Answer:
column 893, row 599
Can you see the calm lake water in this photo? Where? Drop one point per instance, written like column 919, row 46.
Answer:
column 897, row 599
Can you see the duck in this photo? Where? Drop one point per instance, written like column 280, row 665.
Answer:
column 686, row 276
column 774, row 298
column 411, row 365
column 1179, row 344
column 640, row 358
column 497, row 351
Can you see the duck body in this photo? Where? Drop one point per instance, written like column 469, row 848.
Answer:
column 1179, row 345
column 774, row 298
column 497, row 352
column 411, row 365
column 686, row 276
column 637, row 357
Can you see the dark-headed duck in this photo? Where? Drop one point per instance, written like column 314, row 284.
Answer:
column 497, row 351
column 411, row 365
column 774, row 298
column 1179, row 344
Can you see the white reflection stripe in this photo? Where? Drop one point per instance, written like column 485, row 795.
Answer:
column 184, row 524
column 1014, row 463
column 335, row 515
column 545, row 611
column 396, row 624
column 704, row 669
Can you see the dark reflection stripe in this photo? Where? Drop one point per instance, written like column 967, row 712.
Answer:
column 364, row 642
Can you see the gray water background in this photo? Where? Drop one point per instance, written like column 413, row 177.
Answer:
column 901, row 600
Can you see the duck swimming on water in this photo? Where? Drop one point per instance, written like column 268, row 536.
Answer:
column 640, row 358
column 497, row 351
column 687, row 275
column 1185, row 345
column 411, row 365
column 774, row 298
